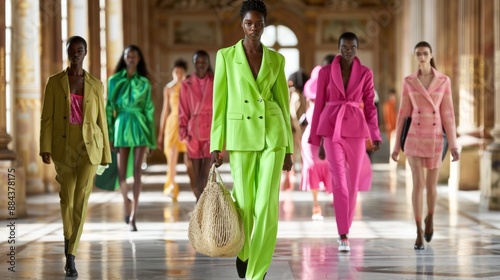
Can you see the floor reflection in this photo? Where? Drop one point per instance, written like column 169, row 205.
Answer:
column 466, row 242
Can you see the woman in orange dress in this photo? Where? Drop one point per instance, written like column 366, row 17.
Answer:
column 168, row 136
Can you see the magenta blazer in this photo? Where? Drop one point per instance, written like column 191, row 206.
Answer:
column 195, row 109
column 431, row 111
column 339, row 113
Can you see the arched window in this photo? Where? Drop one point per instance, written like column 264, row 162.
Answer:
column 282, row 39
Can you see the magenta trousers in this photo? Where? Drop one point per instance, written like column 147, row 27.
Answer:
column 345, row 159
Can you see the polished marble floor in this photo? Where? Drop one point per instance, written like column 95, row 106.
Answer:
column 466, row 243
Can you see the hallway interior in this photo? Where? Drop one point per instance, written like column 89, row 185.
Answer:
column 466, row 243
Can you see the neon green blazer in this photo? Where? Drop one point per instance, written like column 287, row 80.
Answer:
column 249, row 114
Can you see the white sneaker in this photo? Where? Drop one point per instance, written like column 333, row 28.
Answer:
column 343, row 245
column 317, row 217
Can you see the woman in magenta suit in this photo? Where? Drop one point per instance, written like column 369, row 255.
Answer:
column 195, row 118
column 344, row 117
column 426, row 98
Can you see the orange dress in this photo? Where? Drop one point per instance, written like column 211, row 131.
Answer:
column 171, row 134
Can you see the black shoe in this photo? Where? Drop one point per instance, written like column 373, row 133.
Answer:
column 133, row 227
column 241, row 267
column 127, row 219
column 70, row 266
column 66, row 245
column 428, row 236
column 264, row 276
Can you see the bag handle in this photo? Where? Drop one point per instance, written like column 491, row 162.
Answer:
column 214, row 175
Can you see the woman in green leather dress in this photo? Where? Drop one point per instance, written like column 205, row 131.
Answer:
column 130, row 114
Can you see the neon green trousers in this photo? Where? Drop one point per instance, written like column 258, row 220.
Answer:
column 256, row 188
column 76, row 177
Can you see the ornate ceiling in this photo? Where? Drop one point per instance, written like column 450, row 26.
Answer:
column 231, row 4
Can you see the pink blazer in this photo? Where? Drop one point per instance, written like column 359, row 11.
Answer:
column 431, row 111
column 195, row 108
column 344, row 113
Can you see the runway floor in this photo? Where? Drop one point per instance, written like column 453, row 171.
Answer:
column 466, row 243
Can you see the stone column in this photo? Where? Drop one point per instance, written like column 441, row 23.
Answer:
column 114, row 34
column 26, row 85
column 469, row 94
column 78, row 23
column 490, row 160
column 51, row 63
column 12, row 179
column 5, row 138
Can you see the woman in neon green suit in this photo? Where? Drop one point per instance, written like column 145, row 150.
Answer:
column 251, row 119
column 130, row 114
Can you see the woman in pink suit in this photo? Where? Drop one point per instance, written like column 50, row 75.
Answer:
column 344, row 116
column 426, row 98
column 195, row 118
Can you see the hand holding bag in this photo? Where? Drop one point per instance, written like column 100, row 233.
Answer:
column 404, row 132
column 215, row 227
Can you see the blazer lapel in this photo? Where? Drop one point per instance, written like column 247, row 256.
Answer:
column 87, row 89
column 436, row 82
column 65, row 87
column 241, row 60
column 355, row 75
column 420, row 87
column 336, row 75
column 265, row 67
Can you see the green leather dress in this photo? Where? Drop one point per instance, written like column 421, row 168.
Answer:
column 130, row 111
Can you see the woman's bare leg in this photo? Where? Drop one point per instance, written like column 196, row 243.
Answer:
column 189, row 167
column 138, row 158
column 430, row 185
column 123, row 153
column 418, row 176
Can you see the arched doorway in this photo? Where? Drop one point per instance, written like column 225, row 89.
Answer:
column 283, row 40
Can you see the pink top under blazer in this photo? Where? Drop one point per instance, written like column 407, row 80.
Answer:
column 431, row 111
column 338, row 112
column 195, row 108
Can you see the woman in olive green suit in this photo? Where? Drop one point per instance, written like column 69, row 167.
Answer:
column 74, row 135
column 251, row 120
column 130, row 115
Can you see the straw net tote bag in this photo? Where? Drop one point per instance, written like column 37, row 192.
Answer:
column 215, row 227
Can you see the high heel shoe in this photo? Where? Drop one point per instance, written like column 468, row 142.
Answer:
column 175, row 192
column 70, row 266
column 419, row 243
column 127, row 211
column 241, row 267
column 428, row 236
column 132, row 225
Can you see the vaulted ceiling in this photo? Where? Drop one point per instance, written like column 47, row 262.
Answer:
column 224, row 4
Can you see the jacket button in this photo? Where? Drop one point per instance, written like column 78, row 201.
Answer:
column 64, row 136
column 434, row 112
column 419, row 112
column 260, row 117
column 88, row 143
column 418, row 123
column 434, row 124
column 64, row 117
column 246, row 101
column 248, row 117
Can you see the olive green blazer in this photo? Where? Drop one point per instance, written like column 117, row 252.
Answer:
column 54, row 126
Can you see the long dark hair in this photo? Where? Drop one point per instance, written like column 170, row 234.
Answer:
column 426, row 45
column 141, row 66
